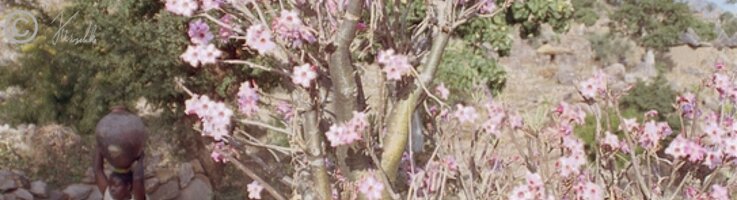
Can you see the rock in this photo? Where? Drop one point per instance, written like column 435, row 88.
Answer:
column 11, row 181
column 197, row 166
column 565, row 75
column 95, row 195
column 616, row 70
column 23, row 194
column 40, row 189
column 78, row 191
column 199, row 188
column 165, row 174
column 186, row 173
column 168, row 190
column 151, row 184
column 645, row 71
column 7, row 184
column 57, row 195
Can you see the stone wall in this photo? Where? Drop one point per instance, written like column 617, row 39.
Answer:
column 185, row 182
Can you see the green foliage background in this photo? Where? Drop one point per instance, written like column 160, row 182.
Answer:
column 658, row 23
column 136, row 55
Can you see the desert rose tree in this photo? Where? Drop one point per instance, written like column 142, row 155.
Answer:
column 316, row 44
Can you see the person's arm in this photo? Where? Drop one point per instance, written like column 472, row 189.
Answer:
column 99, row 170
column 139, row 190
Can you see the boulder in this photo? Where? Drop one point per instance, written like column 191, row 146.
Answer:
column 615, row 71
column 23, row 194
column 40, row 189
column 198, row 189
column 165, row 174
column 11, row 180
column 166, row 191
column 78, row 191
column 197, row 166
column 186, row 173
column 57, row 195
column 151, row 184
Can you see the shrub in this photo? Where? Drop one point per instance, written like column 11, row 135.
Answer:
column 464, row 68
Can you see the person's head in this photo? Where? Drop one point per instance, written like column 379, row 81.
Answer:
column 120, row 185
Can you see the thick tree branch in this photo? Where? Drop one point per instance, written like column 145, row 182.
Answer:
column 341, row 68
column 398, row 129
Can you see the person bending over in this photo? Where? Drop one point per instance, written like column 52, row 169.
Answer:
column 120, row 137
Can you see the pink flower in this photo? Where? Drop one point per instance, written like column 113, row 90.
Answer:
column 248, row 98
column 570, row 114
column 442, row 91
column 593, row 86
column 487, row 6
column 259, row 38
column 219, row 152
column 303, row 75
column 225, row 33
column 254, row 190
column 371, row 188
column 719, row 64
column 289, row 26
column 684, row 148
column 719, row 192
column 181, row 7
column 730, row 146
column 201, row 54
column 516, row 121
column 285, row 109
column 211, row 4
column 199, row 32
column 589, row 191
column 395, row 66
column 521, row 192
column 347, row 133
column 713, row 158
column 629, row 125
column 495, row 118
column 215, row 116
column 465, row 113
column 612, row 142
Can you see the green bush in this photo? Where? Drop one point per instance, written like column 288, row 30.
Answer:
column 608, row 48
column 463, row 67
column 585, row 11
column 136, row 55
column 658, row 23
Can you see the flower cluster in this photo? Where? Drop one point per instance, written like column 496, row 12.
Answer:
column 395, row 65
column 465, row 113
column 495, row 118
column 370, row 187
column 650, row 134
column 532, row 189
column 285, row 109
column 593, row 86
column 717, row 192
column 487, row 6
column 181, row 7
column 201, row 55
column 589, row 190
column 685, row 148
column 303, row 75
column 348, row 133
column 259, row 38
column 202, row 52
column 687, row 105
column 248, row 98
column 215, row 116
column 611, row 142
column 574, row 158
column 289, row 27
column 211, row 4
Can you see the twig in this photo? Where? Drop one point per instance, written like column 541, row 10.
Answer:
column 250, row 173
column 264, row 125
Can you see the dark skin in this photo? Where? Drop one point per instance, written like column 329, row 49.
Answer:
column 120, row 139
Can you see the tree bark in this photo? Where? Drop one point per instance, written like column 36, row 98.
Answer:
column 399, row 121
